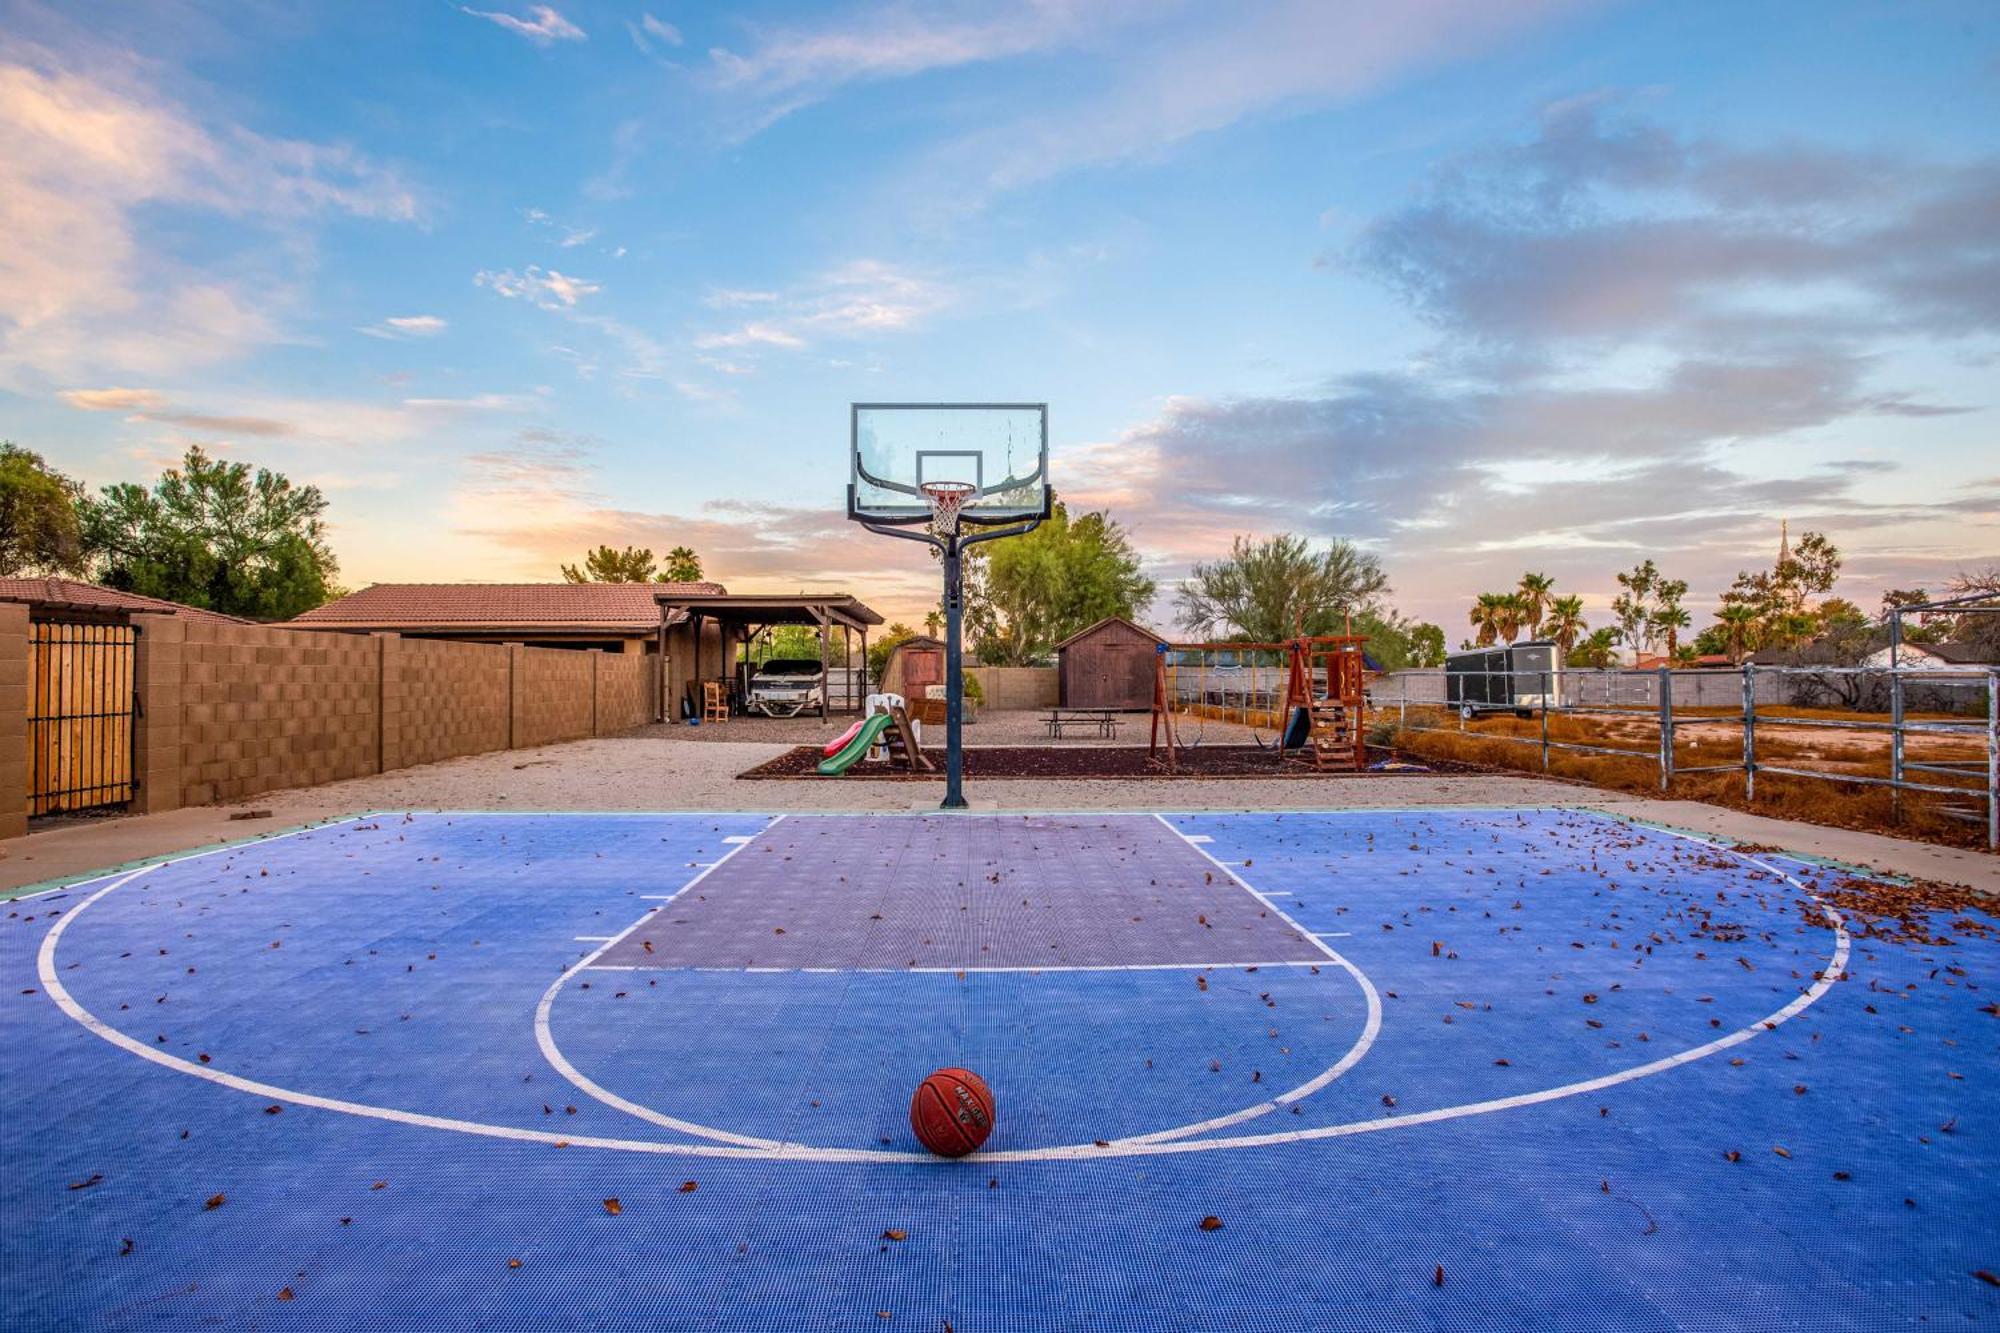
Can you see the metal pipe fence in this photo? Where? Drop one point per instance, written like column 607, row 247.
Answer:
column 1903, row 704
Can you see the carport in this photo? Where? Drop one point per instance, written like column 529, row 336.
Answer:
column 740, row 617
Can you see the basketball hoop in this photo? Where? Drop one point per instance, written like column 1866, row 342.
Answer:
column 945, row 499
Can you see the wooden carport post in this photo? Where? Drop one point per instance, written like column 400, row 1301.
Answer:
column 819, row 615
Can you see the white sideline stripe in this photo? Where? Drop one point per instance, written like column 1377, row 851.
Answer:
column 656, row 897
column 1332, row 934
column 1196, row 837
column 740, row 839
column 594, row 939
column 52, row 984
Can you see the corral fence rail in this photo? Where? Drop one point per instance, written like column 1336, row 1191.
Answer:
column 1905, row 704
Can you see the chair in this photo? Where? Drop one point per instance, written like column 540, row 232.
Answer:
column 714, row 701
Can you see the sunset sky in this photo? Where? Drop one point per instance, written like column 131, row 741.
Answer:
column 1484, row 286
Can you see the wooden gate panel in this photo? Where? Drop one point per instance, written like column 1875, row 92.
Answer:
column 80, row 715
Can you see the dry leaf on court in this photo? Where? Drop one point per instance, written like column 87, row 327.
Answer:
column 1211, row 1223
column 215, row 1201
column 895, row 1233
column 613, row 1207
column 689, row 1187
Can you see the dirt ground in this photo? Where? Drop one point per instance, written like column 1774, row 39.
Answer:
column 659, row 768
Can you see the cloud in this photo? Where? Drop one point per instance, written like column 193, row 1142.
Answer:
column 550, row 289
column 1609, row 229
column 85, row 287
column 539, row 501
column 1176, row 69
column 863, row 297
column 400, row 327
column 649, row 30
column 113, row 400
column 542, row 26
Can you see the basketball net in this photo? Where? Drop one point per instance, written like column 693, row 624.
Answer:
column 945, row 499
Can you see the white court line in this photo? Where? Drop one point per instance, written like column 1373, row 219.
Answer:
column 657, row 897
column 1370, row 1029
column 1332, row 934
column 1196, row 837
column 596, row 939
column 52, row 984
column 742, row 839
column 590, row 1088
column 966, row 971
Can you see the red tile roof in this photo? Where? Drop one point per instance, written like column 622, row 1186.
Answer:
column 91, row 596
column 503, row 606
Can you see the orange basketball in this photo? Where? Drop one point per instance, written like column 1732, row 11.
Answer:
column 952, row 1112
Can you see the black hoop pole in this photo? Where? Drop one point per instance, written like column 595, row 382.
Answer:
column 954, row 677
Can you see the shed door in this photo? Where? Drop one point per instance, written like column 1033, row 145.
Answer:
column 921, row 667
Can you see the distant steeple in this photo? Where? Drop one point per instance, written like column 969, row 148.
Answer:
column 1784, row 542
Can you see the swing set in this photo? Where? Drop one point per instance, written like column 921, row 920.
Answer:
column 1318, row 715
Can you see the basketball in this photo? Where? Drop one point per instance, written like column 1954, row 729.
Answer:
column 952, row 1112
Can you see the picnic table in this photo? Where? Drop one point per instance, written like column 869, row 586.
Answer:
column 1104, row 721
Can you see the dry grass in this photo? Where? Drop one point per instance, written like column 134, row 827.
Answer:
column 1839, row 804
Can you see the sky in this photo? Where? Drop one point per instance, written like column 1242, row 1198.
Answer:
column 1483, row 286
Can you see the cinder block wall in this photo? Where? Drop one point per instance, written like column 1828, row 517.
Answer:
column 13, row 719
column 1017, row 687
column 228, row 711
column 555, row 695
column 264, row 708
column 442, row 699
column 624, row 691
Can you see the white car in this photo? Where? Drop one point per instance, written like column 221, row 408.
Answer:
column 785, row 686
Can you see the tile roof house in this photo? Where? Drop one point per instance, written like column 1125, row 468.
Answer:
column 596, row 615
column 58, row 596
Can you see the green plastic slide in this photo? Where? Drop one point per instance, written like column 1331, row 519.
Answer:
column 864, row 739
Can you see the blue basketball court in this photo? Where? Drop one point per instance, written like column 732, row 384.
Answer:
column 1374, row 1069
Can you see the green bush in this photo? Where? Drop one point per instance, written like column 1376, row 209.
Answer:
column 973, row 691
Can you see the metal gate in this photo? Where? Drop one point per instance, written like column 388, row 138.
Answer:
column 81, row 711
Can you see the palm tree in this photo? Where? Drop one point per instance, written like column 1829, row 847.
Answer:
column 1536, row 592
column 1485, row 617
column 1513, row 614
column 1596, row 649
column 1739, row 629
column 1565, row 623
column 1672, row 619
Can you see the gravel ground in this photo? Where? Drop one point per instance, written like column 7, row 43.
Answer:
column 1014, row 726
column 658, row 769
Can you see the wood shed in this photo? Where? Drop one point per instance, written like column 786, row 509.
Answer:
column 913, row 664
column 1109, row 665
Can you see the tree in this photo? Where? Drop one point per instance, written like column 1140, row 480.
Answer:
column 1565, row 623
column 634, row 564
column 683, row 566
column 1596, row 650
column 1738, row 624
column 934, row 623
column 1267, row 591
column 1536, row 591
column 1980, row 629
column 1812, row 569
column 1488, row 610
column 878, row 651
column 1513, row 614
column 40, row 529
column 215, row 535
column 1668, row 621
column 1045, row 585
column 1426, row 644
column 1931, row 628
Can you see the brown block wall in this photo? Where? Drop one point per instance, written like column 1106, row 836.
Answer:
column 156, row 679
column 1017, row 687
column 13, row 719
column 624, row 691
column 265, row 708
column 553, row 695
column 441, row 700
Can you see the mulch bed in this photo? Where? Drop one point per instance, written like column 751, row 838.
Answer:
column 1206, row 762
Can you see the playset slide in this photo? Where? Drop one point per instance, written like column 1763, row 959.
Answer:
column 864, row 738
column 839, row 743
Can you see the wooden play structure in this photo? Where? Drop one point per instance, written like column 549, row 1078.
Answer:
column 1318, row 715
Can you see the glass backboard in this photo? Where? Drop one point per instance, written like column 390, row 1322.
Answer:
column 1000, row 449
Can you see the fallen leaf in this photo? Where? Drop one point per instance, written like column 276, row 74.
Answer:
column 94, row 1178
column 895, row 1233
column 285, row 1294
column 125, row 1246
column 689, row 1187
column 379, row 1185
column 273, row 1109
column 513, row 1263
column 613, row 1207
column 1211, row 1223
column 215, row 1201
column 1437, row 1278
column 1732, row 1156
column 1986, row 1277
column 1781, row 1152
